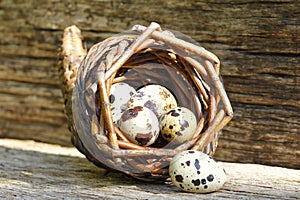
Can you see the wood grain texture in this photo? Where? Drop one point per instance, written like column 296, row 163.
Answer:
column 257, row 42
column 41, row 171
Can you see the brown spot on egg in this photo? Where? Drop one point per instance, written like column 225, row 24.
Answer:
column 210, row 178
column 168, row 106
column 139, row 94
column 188, row 163
column 152, row 106
column 197, row 164
column 131, row 113
column 173, row 113
column 165, row 94
column 183, row 124
column 112, row 98
column 143, row 138
column 130, row 101
column 149, row 126
column 179, row 178
column 196, row 182
column 178, row 133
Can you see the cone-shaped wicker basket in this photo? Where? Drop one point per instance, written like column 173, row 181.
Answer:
column 141, row 56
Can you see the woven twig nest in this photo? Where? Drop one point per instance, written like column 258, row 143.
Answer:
column 139, row 57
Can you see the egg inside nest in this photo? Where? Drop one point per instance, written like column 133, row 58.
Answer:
column 155, row 97
column 136, row 114
column 120, row 93
column 140, row 125
column 178, row 125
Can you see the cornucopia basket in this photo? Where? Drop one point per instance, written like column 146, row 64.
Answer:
column 140, row 57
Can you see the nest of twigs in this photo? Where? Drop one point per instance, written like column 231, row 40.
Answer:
column 142, row 56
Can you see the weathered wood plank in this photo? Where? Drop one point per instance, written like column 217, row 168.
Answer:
column 256, row 40
column 36, row 170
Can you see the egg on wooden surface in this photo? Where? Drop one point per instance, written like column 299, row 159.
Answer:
column 178, row 125
column 140, row 125
column 194, row 171
column 155, row 97
column 120, row 94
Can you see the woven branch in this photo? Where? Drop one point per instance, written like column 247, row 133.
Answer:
column 146, row 55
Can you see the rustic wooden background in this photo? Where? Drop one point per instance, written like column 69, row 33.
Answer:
column 257, row 42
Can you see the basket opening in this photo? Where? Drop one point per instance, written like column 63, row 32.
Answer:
column 165, row 68
column 162, row 68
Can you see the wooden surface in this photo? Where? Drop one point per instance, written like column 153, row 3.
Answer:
column 30, row 170
column 256, row 41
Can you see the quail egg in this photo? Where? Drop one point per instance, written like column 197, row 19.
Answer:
column 194, row 171
column 178, row 125
column 155, row 97
column 140, row 125
column 120, row 94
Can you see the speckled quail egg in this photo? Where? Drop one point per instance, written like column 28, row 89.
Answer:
column 194, row 171
column 120, row 94
column 140, row 125
column 155, row 97
column 178, row 125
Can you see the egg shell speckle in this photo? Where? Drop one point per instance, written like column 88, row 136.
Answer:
column 155, row 97
column 178, row 125
column 120, row 93
column 194, row 171
column 140, row 125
